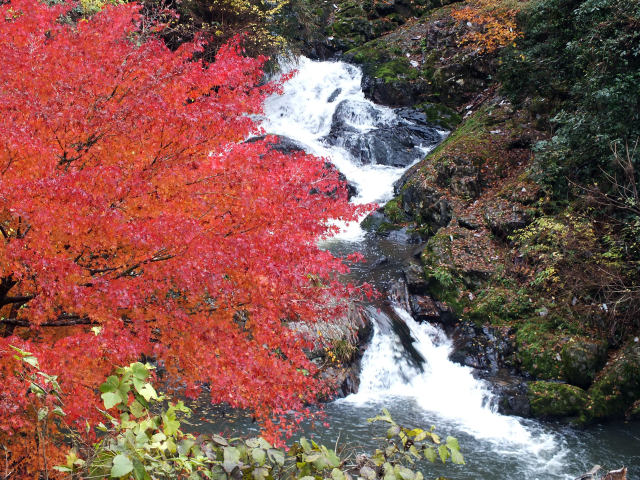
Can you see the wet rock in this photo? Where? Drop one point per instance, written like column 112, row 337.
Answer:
column 374, row 221
column 582, row 358
column 334, row 95
column 281, row 143
column 617, row 387
column 556, row 400
column 503, row 218
column 426, row 309
column 426, row 204
column 415, row 279
column 485, row 348
column 511, row 392
column 372, row 136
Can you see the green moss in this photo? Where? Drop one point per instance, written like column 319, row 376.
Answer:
column 399, row 68
column 617, row 387
column 441, row 115
column 539, row 349
column 559, row 400
column 394, row 212
column 502, row 304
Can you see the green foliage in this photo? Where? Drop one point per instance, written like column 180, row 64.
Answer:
column 143, row 445
column 583, row 58
column 550, row 399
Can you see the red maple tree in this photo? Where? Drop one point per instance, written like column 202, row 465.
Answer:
column 135, row 220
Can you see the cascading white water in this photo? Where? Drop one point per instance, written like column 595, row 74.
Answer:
column 307, row 114
column 441, row 387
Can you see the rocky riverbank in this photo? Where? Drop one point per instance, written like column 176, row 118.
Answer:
column 487, row 227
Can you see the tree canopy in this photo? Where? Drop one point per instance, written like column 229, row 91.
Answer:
column 136, row 221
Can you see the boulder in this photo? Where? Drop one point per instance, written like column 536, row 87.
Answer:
column 617, row 387
column 373, row 136
column 426, row 309
column 503, row 217
column 486, row 348
column 582, row 358
column 556, row 400
column 415, row 279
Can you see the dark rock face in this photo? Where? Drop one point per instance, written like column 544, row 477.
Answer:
column 426, row 204
column 415, row 279
column 485, row 348
column 511, row 392
column 503, row 218
column 581, row 359
column 371, row 138
column 281, row 144
column 426, row 309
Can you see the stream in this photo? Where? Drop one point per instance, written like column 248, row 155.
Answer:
column 324, row 111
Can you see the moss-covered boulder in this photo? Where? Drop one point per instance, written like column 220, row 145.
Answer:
column 556, row 400
column 538, row 350
column 582, row 358
column 617, row 387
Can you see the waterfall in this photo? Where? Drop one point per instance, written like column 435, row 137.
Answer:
column 324, row 111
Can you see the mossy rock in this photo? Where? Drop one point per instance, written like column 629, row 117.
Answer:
column 556, row 400
column 500, row 304
column 539, row 350
column 441, row 115
column 582, row 358
column 617, row 386
column 394, row 212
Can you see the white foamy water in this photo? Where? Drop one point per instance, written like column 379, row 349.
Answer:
column 451, row 392
column 304, row 112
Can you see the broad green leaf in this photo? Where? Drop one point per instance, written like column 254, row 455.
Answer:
column 368, row 473
column 260, row 473
column 231, row 454
column 139, row 472
column 33, row 361
column 405, row 473
column 184, row 446
column 430, row 454
column 139, row 371
column 456, row 457
column 306, row 446
column 333, row 459
column 110, row 385
column 111, row 399
column 276, row 456
column 121, row 466
column 452, row 443
column 337, row 474
column 229, row 467
column 136, row 409
column 258, row 455
column 148, row 392
column 443, row 452
column 61, row 468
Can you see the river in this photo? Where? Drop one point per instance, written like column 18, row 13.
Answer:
column 324, row 110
